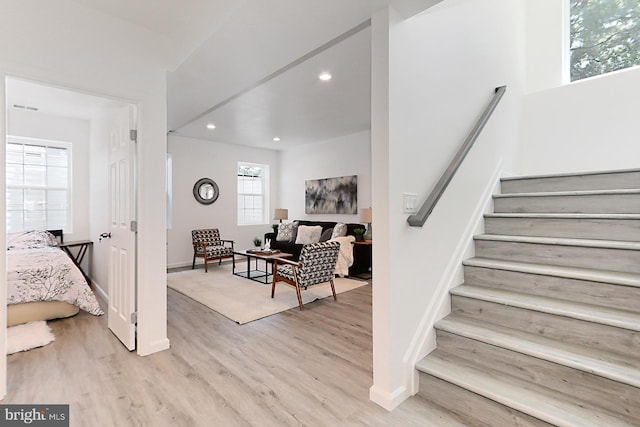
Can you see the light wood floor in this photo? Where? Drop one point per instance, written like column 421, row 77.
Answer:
column 311, row 368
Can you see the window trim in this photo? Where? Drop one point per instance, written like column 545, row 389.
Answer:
column 265, row 193
column 24, row 140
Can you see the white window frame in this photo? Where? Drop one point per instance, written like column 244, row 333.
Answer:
column 566, row 42
column 11, row 139
column 265, row 195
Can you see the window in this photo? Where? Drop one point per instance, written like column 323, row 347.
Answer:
column 605, row 36
column 38, row 192
column 253, row 182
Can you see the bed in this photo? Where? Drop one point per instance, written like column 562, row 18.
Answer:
column 43, row 283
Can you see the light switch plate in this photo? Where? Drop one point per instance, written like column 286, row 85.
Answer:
column 409, row 203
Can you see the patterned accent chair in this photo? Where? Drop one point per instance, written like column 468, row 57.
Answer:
column 208, row 245
column 317, row 264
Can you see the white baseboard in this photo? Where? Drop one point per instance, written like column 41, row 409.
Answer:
column 182, row 264
column 388, row 400
column 99, row 290
column 199, row 262
column 424, row 341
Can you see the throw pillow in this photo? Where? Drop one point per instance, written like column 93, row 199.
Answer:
column 339, row 230
column 326, row 235
column 287, row 232
column 308, row 234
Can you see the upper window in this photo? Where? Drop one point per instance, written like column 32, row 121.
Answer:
column 253, row 182
column 38, row 191
column 605, row 36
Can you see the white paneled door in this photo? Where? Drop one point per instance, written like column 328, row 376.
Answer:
column 122, row 241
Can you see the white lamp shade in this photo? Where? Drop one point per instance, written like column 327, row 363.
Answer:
column 366, row 215
column 281, row 214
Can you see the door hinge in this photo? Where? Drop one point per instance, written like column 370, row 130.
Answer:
column 134, row 226
column 133, row 135
column 134, row 318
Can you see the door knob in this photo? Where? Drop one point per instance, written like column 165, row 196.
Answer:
column 104, row 236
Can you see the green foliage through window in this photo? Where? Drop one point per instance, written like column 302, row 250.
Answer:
column 605, row 36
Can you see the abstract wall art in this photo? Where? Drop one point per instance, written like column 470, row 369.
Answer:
column 332, row 195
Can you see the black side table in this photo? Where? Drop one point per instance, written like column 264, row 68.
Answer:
column 83, row 246
column 362, row 252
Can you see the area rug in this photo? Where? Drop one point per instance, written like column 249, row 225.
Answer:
column 243, row 300
column 27, row 336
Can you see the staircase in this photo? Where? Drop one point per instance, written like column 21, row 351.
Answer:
column 545, row 329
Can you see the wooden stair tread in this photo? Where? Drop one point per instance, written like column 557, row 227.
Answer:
column 602, row 363
column 586, row 216
column 588, row 227
column 542, row 403
column 568, row 175
column 576, row 310
column 561, row 241
column 626, row 191
column 592, row 275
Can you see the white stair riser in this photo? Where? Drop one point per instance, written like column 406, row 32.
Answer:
column 552, row 326
column 605, row 229
column 591, row 389
column 475, row 409
column 604, row 294
column 624, row 260
column 608, row 181
column 591, row 203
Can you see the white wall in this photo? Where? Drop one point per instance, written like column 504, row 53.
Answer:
column 588, row 125
column 547, row 44
column 194, row 159
column 3, row 266
column 343, row 156
column 69, row 45
column 436, row 91
column 33, row 124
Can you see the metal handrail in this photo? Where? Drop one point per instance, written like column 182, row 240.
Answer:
column 418, row 219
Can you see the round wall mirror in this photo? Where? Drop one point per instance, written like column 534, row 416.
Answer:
column 206, row 191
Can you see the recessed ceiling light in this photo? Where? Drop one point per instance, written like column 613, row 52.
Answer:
column 276, row 139
column 211, row 126
column 324, row 76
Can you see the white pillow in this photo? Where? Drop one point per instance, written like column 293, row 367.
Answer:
column 308, row 234
column 33, row 239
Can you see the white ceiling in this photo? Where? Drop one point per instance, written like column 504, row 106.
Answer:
column 184, row 24
column 26, row 95
column 257, row 76
column 296, row 105
column 251, row 66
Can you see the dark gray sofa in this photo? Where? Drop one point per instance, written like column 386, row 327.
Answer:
column 361, row 259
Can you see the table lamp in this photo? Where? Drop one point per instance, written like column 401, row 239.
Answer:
column 366, row 216
column 281, row 214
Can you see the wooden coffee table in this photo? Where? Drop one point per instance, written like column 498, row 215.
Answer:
column 260, row 276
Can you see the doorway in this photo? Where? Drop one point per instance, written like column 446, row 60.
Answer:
column 85, row 123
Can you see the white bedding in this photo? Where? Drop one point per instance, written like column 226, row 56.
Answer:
column 37, row 271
